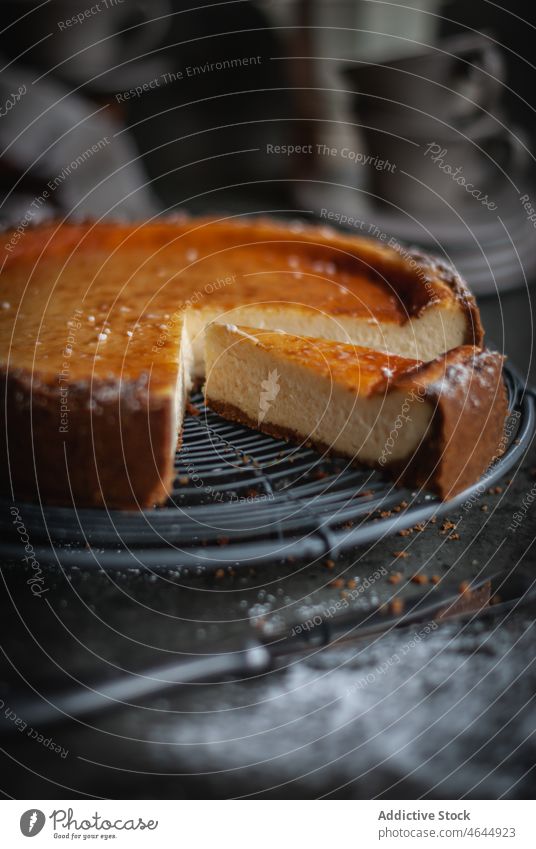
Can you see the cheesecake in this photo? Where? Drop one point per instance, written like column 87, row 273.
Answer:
column 102, row 328
column 436, row 425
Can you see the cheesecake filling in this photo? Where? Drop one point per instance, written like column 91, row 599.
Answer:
column 274, row 393
column 437, row 330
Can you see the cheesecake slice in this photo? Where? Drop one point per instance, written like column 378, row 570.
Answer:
column 94, row 409
column 436, row 425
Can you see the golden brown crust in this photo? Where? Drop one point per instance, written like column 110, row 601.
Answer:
column 375, row 278
column 471, row 405
column 112, row 451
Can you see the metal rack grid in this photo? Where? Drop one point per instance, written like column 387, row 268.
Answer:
column 241, row 499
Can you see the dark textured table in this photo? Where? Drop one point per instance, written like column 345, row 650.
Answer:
column 434, row 711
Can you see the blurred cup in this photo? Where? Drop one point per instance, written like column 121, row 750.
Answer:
column 448, row 83
column 431, row 115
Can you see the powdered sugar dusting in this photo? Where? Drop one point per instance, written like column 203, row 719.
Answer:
column 480, row 367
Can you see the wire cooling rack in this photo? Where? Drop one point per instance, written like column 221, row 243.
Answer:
column 241, row 499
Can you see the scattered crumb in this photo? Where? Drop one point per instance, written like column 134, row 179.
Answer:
column 419, row 579
column 435, row 579
column 192, row 409
column 252, row 492
column 447, row 526
column 183, row 479
column 464, row 587
column 394, row 578
column 351, row 584
column 484, row 508
column 220, row 573
column 223, row 540
column 396, row 606
column 329, row 564
column 420, row 526
column 337, row 584
column 453, row 536
column 406, row 532
column 400, row 554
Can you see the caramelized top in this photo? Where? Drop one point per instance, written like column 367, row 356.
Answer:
column 358, row 369
column 113, row 296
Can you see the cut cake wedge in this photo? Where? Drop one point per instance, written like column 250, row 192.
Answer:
column 436, row 425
